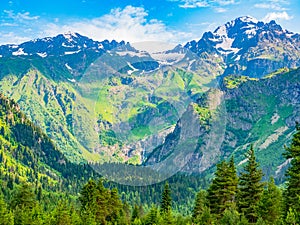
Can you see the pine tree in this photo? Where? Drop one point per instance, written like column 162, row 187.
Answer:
column 222, row 191
column 115, row 207
column 232, row 184
column 87, row 196
column 102, row 201
column 250, row 188
column 6, row 217
column 200, row 204
column 24, row 197
column 135, row 213
column 152, row 217
column 271, row 203
column 166, row 200
column 292, row 192
column 61, row 215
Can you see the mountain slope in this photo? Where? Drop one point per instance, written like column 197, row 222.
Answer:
column 29, row 155
column 85, row 99
column 106, row 101
column 262, row 112
column 250, row 47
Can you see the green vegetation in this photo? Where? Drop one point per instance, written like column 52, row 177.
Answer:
column 204, row 113
column 233, row 81
column 250, row 188
column 292, row 193
column 226, row 201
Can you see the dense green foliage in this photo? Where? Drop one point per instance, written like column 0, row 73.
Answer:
column 292, row 193
column 222, row 191
column 40, row 186
column 100, row 205
column 250, row 188
column 28, row 155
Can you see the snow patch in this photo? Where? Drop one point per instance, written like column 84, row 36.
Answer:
column 225, row 45
column 72, row 80
column 19, row 52
column 221, row 31
column 73, row 52
column 68, row 67
column 248, row 19
column 67, row 46
column 237, row 58
column 191, row 63
column 43, row 55
column 133, row 69
column 69, row 36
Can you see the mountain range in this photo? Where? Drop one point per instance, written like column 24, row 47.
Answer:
column 109, row 102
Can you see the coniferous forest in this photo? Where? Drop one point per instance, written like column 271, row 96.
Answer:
column 231, row 197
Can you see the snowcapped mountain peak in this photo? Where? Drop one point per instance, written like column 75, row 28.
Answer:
column 60, row 45
column 70, row 36
column 247, row 19
column 221, row 30
column 238, row 36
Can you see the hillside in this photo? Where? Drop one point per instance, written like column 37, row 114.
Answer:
column 109, row 102
column 261, row 112
column 27, row 154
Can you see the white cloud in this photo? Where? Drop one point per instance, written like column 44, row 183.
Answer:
column 220, row 10
column 269, row 6
column 193, row 4
column 12, row 38
column 20, row 16
column 203, row 3
column 277, row 16
column 129, row 24
column 225, row 2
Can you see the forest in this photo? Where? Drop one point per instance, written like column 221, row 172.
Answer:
column 231, row 198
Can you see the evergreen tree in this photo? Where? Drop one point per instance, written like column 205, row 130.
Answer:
column 87, row 196
column 221, row 193
column 250, row 188
column 102, row 201
column 271, row 203
column 61, row 215
column 200, row 204
column 152, row 217
column 166, row 200
column 230, row 217
column 135, row 213
column 115, row 207
column 6, row 217
column 24, row 197
column 232, row 183
column 292, row 193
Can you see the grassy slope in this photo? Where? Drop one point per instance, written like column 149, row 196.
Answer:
column 69, row 112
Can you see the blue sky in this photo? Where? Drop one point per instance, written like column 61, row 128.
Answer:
column 173, row 21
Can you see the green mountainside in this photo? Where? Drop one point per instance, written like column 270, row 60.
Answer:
column 85, row 117
column 27, row 154
column 106, row 102
column 261, row 112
